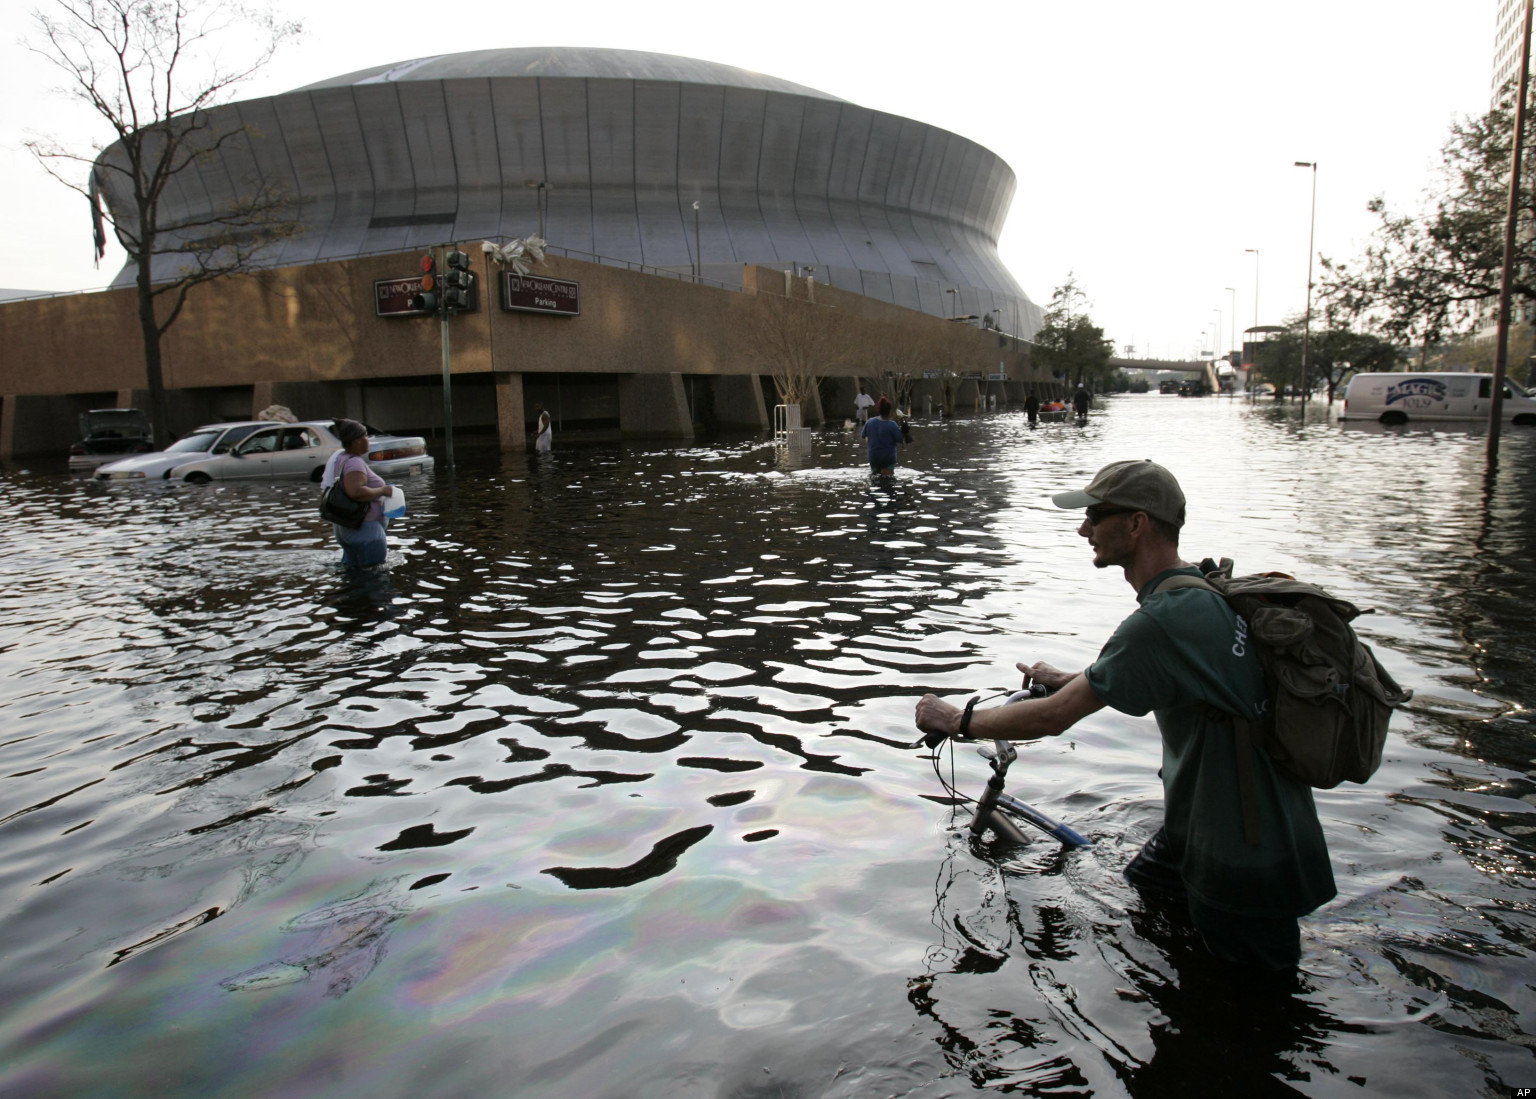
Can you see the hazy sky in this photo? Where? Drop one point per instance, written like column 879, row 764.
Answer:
column 1153, row 143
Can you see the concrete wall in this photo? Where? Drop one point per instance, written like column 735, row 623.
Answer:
column 307, row 337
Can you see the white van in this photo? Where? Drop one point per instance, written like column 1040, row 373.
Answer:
column 1399, row 398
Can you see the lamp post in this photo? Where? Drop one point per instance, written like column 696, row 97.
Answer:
column 1306, row 333
column 1232, row 326
column 698, row 244
column 1255, row 252
column 955, row 304
column 1507, row 273
column 1248, row 383
column 540, row 188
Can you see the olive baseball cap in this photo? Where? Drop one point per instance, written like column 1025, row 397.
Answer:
column 1139, row 484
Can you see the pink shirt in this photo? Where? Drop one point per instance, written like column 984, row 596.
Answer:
column 348, row 464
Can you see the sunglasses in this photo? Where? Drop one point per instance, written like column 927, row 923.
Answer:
column 1097, row 514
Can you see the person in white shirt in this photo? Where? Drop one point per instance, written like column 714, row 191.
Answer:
column 546, row 434
column 861, row 405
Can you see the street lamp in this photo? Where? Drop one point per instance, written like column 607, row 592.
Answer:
column 1255, row 252
column 698, row 244
column 1306, row 334
column 541, row 189
column 1248, row 381
column 1232, row 327
column 955, row 303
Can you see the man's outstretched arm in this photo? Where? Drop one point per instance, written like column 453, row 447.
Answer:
column 1030, row 719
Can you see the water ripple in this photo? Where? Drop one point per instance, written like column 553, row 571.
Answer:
column 596, row 784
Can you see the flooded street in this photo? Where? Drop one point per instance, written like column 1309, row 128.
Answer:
column 597, row 788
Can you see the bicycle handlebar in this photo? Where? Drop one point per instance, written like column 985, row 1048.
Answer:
column 934, row 739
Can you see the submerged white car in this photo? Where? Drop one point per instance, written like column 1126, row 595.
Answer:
column 261, row 450
column 192, row 447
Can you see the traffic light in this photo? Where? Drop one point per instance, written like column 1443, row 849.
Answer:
column 458, row 281
column 426, row 300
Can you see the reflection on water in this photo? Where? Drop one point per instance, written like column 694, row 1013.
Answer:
column 596, row 785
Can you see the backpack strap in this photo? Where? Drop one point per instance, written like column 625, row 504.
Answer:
column 1182, row 581
column 1242, row 730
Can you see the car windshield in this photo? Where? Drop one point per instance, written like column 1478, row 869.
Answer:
column 114, row 423
column 196, row 442
column 233, row 436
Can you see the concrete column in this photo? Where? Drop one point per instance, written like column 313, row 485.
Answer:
column 739, row 402
column 261, row 397
column 133, row 398
column 510, row 429
column 7, row 427
column 654, row 406
column 967, row 396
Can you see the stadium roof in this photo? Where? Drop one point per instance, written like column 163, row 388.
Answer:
column 570, row 62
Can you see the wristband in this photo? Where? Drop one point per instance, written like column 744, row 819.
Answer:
column 965, row 718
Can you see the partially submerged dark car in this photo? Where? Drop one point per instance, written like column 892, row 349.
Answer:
column 107, row 434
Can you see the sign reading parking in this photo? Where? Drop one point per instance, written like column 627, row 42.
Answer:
column 392, row 298
column 532, row 294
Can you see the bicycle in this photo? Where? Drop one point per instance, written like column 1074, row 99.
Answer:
column 994, row 805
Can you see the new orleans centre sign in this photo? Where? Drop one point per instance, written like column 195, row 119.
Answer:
column 532, row 294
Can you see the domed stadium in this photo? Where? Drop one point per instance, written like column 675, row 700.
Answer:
column 670, row 162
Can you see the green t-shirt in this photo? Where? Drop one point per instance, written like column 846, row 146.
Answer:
column 1180, row 651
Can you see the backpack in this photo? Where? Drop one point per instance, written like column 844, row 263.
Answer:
column 1329, row 698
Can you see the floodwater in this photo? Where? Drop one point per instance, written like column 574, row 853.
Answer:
column 597, row 788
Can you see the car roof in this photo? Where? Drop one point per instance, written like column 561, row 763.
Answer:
column 226, row 424
column 324, row 424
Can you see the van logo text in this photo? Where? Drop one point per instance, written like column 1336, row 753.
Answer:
column 1413, row 392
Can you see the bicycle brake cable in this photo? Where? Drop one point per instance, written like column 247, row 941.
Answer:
column 949, row 784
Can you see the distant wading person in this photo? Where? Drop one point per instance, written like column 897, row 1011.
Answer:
column 1032, row 406
column 544, row 439
column 884, row 435
column 1182, row 655
column 861, row 405
column 368, row 544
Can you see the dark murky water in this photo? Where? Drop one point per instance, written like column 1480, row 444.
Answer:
column 591, row 791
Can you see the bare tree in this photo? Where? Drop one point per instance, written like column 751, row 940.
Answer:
column 954, row 350
column 892, row 351
column 799, row 342
column 155, row 70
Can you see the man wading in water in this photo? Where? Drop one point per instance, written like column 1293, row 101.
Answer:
column 1181, row 654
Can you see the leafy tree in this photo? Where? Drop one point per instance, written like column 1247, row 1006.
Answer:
column 1069, row 344
column 1477, row 355
column 1332, row 356
column 154, row 69
column 1425, row 276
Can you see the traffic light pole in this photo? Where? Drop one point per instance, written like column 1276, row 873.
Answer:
column 447, row 374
